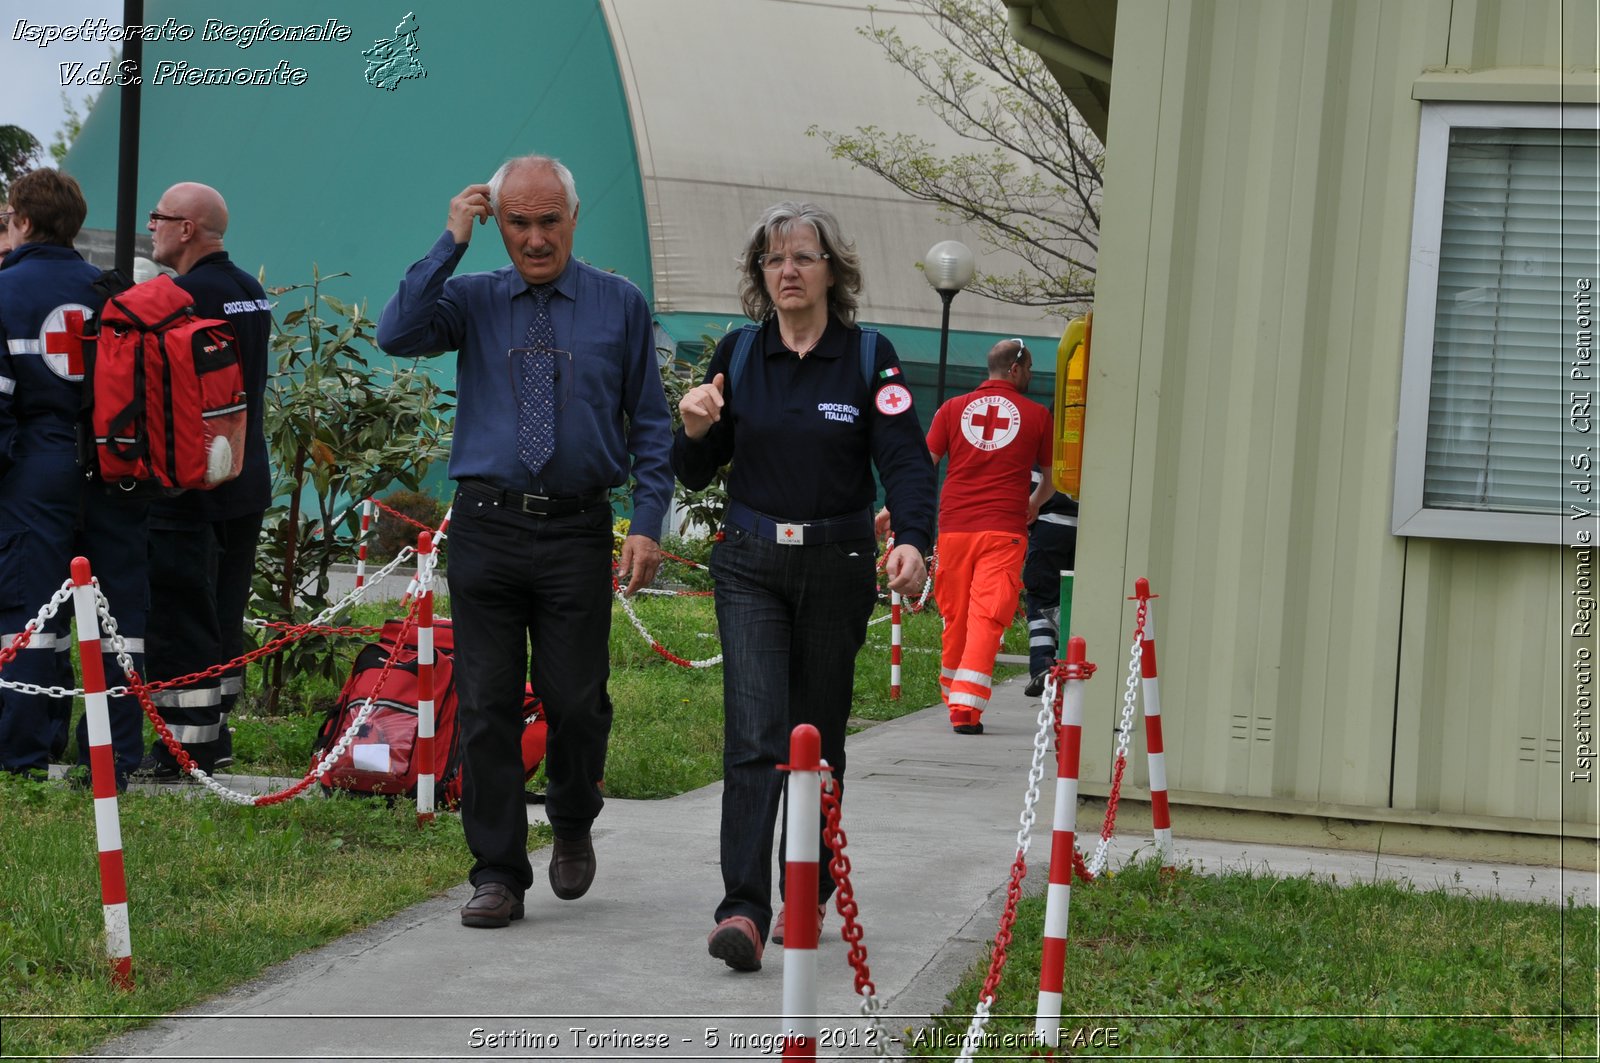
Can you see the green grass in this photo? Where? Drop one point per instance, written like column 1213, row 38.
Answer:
column 1188, row 966
column 217, row 893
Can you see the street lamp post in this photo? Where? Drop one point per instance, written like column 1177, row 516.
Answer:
column 949, row 266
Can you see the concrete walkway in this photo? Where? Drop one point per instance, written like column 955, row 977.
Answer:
column 623, row 973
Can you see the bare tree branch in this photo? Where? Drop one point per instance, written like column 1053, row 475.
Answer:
column 1031, row 186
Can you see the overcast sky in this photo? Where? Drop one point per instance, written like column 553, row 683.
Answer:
column 30, row 77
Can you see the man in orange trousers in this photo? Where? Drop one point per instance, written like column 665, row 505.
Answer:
column 994, row 437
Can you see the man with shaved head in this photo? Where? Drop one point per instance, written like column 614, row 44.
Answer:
column 203, row 543
column 994, row 438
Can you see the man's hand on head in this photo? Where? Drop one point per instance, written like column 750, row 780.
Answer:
column 471, row 203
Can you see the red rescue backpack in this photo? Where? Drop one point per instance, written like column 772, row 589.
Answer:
column 382, row 756
column 166, row 392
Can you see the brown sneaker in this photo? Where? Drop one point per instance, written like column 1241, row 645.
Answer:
column 736, row 943
column 777, row 924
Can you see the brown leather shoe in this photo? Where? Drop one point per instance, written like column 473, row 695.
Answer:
column 493, row 905
column 571, row 867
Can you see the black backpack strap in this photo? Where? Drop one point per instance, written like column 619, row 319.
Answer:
column 869, row 354
column 741, row 354
column 110, row 282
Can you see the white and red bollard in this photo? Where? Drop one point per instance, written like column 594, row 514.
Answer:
column 800, row 920
column 425, row 661
column 895, row 641
column 1063, row 846
column 1160, row 812
column 361, row 551
column 103, row 770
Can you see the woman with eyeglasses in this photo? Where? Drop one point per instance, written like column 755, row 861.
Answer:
column 804, row 404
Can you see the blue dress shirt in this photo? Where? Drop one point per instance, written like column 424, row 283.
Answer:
column 613, row 408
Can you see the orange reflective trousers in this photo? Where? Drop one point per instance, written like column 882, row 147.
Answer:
column 976, row 586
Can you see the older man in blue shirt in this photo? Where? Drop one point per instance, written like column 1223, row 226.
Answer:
column 557, row 389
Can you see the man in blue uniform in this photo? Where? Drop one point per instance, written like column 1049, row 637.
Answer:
column 1052, row 545
column 559, row 401
column 203, row 543
column 49, row 512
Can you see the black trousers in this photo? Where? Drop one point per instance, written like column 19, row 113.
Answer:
column 48, row 514
column 1051, row 550
column 200, row 573
column 521, row 582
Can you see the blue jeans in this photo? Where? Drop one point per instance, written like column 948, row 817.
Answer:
column 792, row 619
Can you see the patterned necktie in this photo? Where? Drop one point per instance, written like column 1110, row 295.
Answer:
column 536, row 395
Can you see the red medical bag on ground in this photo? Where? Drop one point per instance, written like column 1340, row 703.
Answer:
column 382, row 756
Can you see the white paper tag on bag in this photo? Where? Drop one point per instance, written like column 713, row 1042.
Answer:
column 374, row 757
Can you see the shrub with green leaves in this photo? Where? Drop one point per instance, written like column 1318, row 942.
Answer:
column 339, row 428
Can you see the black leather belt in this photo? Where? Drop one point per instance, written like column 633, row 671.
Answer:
column 538, row 505
column 853, row 527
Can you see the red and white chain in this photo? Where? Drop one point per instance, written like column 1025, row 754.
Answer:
column 119, row 648
column 638, row 625
column 330, row 756
column 844, row 900
column 32, row 628
column 1130, row 695
column 1041, row 746
column 354, row 597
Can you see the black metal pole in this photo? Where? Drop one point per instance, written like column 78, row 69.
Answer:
column 944, row 339
column 128, row 136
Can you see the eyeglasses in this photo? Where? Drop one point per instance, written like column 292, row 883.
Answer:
column 156, row 215
column 801, row 260
column 538, row 365
column 1022, row 352
column 5, row 218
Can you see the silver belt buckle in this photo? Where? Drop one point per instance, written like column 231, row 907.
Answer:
column 791, row 534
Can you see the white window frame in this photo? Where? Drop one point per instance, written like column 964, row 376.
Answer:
column 1410, row 516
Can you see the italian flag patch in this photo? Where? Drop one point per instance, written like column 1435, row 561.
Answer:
column 892, row 371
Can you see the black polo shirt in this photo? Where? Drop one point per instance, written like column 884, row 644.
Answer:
column 804, row 433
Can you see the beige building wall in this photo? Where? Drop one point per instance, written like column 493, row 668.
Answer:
column 1243, row 398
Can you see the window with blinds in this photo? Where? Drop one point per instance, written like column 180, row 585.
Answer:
column 1507, row 211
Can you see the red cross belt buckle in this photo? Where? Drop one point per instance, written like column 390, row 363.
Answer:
column 792, row 534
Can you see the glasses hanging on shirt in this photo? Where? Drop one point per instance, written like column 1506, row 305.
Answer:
column 537, row 363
